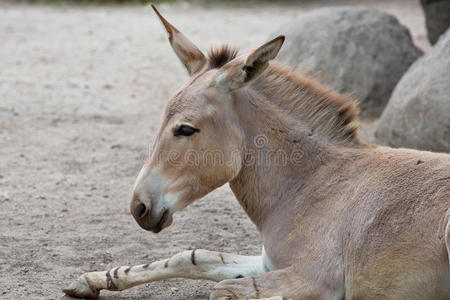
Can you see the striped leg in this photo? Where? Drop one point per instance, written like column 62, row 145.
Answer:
column 193, row 264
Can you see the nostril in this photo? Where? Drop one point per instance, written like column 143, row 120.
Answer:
column 141, row 210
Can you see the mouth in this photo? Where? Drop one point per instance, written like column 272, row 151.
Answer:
column 160, row 224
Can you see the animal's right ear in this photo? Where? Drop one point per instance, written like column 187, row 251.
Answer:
column 192, row 58
column 239, row 72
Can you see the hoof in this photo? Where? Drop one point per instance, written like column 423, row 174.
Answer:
column 80, row 289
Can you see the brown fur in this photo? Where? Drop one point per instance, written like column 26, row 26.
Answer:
column 339, row 218
column 344, row 219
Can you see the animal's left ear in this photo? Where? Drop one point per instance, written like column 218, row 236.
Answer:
column 237, row 73
column 192, row 58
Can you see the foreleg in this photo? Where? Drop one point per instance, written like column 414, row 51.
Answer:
column 193, row 264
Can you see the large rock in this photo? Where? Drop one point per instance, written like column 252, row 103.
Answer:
column 418, row 113
column 361, row 51
column 437, row 17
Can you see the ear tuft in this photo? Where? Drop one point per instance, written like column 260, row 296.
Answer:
column 219, row 56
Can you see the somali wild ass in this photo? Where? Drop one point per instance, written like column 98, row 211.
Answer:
column 339, row 218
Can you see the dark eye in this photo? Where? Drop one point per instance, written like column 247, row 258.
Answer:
column 185, row 130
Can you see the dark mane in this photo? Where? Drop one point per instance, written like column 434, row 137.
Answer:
column 219, row 56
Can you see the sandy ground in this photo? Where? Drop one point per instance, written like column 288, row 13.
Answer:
column 81, row 91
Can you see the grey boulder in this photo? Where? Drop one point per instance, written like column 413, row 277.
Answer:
column 418, row 113
column 437, row 17
column 360, row 51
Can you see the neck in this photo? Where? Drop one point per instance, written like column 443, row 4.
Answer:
column 279, row 157
column 293, row 127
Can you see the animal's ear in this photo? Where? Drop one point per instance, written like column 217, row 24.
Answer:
column 192, row 58
column 237, row 73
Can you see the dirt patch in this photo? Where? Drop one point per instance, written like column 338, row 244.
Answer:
column 81, row 92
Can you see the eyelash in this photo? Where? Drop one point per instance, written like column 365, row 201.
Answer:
column 185, row 130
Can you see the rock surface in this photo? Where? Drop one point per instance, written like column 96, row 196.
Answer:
column 437, row 18
column 418, row 114
column 360, row 51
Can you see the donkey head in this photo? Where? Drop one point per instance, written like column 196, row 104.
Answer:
column 199, row 144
